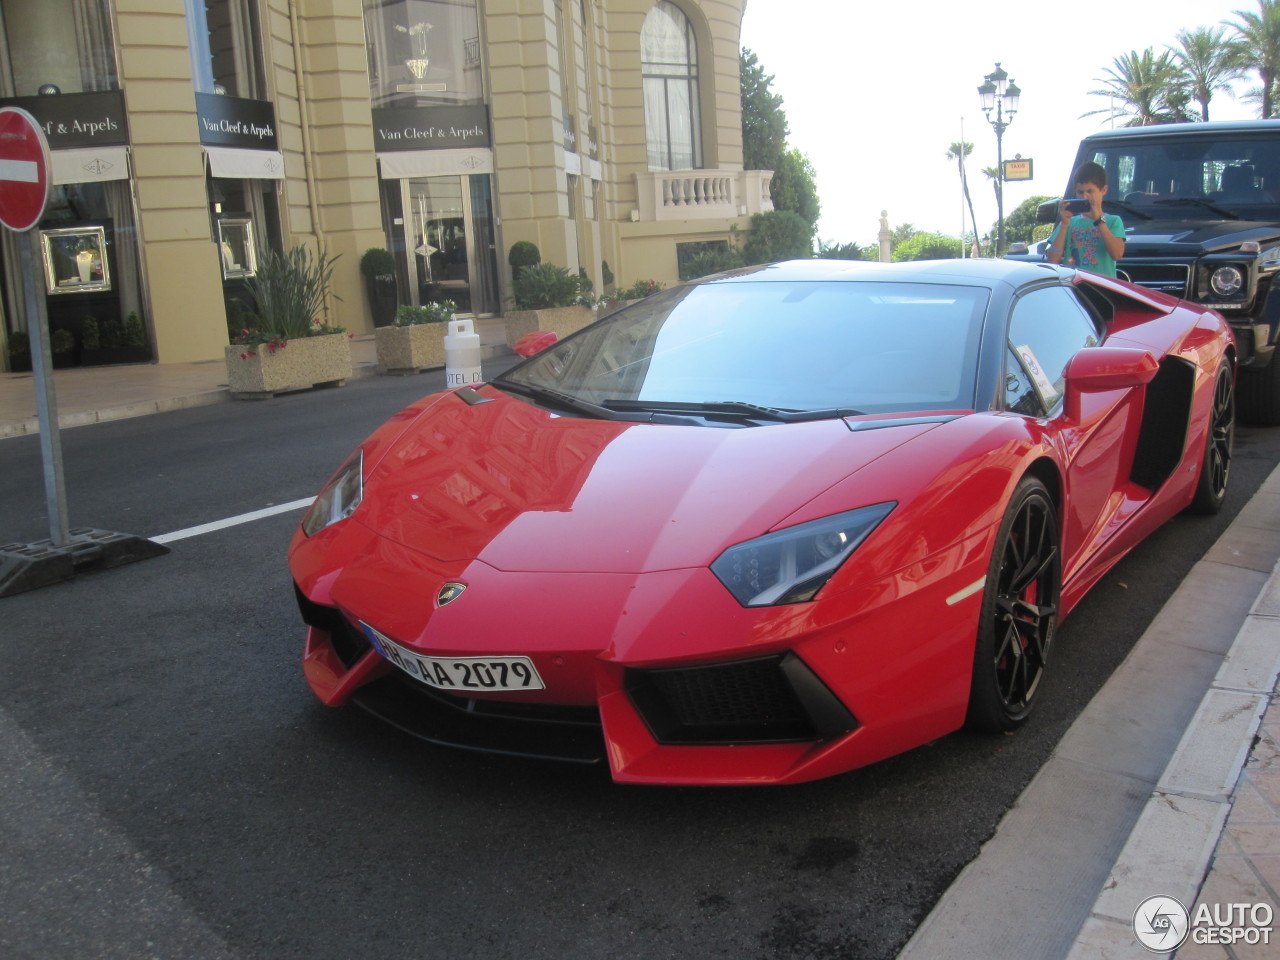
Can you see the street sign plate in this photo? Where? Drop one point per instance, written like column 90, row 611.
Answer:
column 24, row 169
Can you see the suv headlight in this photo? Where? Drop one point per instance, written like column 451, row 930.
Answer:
column 1226, row 281
column 339, row 498
column 791, row 565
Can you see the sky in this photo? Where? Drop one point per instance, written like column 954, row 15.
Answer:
column 875, row 94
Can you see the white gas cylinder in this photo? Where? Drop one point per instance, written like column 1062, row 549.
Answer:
column 461, row 354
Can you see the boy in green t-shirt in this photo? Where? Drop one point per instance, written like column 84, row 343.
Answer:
column 1094, row 240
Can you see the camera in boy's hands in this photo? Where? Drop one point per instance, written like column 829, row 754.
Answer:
column 1076, row 205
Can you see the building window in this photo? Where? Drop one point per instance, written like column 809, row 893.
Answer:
column 223, row 36
column 423, row 52
column 58, row 43
column 669, row 65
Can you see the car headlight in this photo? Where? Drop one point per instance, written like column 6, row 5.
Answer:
column 1226, row 281
column 339, row 498
column 791, row 565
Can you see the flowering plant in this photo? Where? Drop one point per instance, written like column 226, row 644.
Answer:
column 418, row 34
column 442, row 312
column 274, row 341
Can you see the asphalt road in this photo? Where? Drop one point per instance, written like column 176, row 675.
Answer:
column 171, row 788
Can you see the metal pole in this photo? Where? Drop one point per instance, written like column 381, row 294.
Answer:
column 46, row 402
column 999, row 176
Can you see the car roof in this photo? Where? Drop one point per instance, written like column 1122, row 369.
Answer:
column 977, row 271
column 1212, row 128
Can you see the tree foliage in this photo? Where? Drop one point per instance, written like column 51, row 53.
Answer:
column 1209, row 62
column 1144, row 88
column 793, row 186
column 1257, row 36
column 778, row 235
column 927, row 246
column 764, row 122
column 764, row 143
column 830, row 250
column 1020, row 223
column 959, row 152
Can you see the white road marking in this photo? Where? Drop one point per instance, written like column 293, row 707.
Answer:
column 20, row 171
column 232, row 521
column 967, row 592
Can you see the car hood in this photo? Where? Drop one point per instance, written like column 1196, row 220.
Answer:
column 1167, row 237
column 521, row 488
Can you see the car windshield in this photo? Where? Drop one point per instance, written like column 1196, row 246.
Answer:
column 838, row 347
column 1223, row 177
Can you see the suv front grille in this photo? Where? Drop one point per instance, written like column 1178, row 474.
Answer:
column 1170, row 278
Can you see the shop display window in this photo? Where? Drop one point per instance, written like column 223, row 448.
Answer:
column 235, row 241
column 75, row 260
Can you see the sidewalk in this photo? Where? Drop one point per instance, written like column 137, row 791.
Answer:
column 1167, row 784
column 94, row 394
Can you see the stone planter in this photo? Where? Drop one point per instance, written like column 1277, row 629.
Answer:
column 383, row 299
column 406, row 350
column 258, row 373
column 562, row 320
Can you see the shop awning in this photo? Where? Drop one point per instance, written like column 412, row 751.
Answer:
column 236, row 164
column 90, row 164
column 403, row 164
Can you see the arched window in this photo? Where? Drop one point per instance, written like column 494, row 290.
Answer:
column 669, row 65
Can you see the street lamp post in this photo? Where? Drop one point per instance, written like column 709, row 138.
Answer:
column 999, row 97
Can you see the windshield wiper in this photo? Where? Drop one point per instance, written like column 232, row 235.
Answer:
column 555, row 398
column 1126, row 208
column 1199, row 202
column 737, row 409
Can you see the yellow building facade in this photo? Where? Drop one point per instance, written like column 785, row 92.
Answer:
column 189, row 136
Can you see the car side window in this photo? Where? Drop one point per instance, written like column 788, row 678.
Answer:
column 1047, row 328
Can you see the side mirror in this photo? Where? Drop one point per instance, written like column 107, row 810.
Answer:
column 1095, row 369
column 1047, row 212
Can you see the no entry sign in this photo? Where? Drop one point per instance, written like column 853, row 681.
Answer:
column 24, row 169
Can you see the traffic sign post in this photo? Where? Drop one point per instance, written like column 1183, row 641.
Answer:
column 24, row 188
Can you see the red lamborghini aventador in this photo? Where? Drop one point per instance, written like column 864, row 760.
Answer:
column 768, row 526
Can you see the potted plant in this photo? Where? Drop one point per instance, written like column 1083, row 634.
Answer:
column 378, row 268
column 285, row 345
column 62, row 344
column 523, row 254
column 548, row 298
column 108, row 341
column 625, row 297
column 19, row 351
column 415, row 341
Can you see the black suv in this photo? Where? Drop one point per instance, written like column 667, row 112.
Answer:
column 1201, row 210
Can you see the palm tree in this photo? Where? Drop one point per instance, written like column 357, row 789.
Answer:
column 1209, row 62
column 958, row 152
column 1258, row 35
column 1148, row 88
column 997, row 184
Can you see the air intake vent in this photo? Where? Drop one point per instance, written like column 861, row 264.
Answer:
column 765, row 700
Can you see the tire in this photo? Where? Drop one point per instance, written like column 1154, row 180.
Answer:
column 1215, row 472
column 1258, row 400
column 1019, row 611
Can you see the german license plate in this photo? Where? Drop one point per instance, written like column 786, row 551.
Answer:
column 459, row 674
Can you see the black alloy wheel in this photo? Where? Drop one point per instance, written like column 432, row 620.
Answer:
column 1215, row 472
column 1019, row 611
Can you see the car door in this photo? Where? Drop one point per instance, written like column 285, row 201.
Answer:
column 1047, row 327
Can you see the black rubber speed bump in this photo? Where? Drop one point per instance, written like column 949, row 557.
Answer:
column 29, row 566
